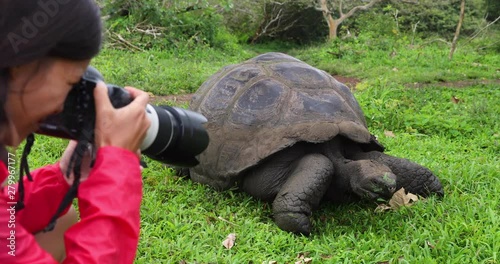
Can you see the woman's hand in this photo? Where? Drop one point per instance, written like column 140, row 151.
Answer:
column 125, row 127
column 66, row 157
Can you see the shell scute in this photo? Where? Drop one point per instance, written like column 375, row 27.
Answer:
column 216, row 101
column 258, row 104
column 268, row 103
column 299, row 74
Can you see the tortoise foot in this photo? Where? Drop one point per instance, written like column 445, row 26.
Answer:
column 293, row 222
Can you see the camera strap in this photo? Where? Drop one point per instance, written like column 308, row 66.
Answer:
column 74, row 165
column 30, row 140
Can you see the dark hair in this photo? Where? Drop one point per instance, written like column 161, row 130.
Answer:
column 29, row 30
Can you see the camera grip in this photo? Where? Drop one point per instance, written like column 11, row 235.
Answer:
column 118, row 96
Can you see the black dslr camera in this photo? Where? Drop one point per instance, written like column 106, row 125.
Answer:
column 175, row 136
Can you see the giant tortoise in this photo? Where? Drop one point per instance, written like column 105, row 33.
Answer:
column 284, row 131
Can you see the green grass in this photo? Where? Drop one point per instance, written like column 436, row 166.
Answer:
column 401, row 62
column 181, row 217
column 164, row 72
column 460, row 142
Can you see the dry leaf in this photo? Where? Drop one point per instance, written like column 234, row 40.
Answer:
column 430, row 245
column 412, row 197
column 324, row 256
column 273, row 262
column 388, row 133
column 303, row 259
column 400, row 198
column 455, row 100
column 229, row 241
column 382, row 208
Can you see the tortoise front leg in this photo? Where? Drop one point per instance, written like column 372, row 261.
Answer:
column 303, row 190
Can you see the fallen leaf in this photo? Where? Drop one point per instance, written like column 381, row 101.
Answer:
column 229, row 241
column 324, row 256
column 400, row 199
column 303, row 255
column 412, row 197
column 455, row 100
column 389, row 133
column 430, row 245
column 210, row 219
column 303, row 259
column 382, row 208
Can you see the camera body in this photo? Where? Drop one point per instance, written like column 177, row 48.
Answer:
column 176, row 136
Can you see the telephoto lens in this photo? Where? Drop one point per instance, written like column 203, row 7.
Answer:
column 176, row 136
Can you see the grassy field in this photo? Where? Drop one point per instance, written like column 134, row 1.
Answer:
column 454, row 131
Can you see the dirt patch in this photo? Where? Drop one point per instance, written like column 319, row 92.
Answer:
column 177, row 99
column 454, row 84
column 349, row 81
column 181, row 99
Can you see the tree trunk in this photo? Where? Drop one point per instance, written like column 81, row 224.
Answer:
column 457, row 32
column 333, row 24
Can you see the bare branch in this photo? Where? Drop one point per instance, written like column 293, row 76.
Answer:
column 410, row 1
column 358, row 8
column 117, row 37
column 274, row 23
column 274, row 19
column 479, row 31
column 457, row 32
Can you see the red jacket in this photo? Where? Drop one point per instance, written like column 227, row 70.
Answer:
column 108, row 201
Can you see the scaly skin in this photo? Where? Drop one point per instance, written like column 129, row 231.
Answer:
column 302, row 193
column 295, row 181
column 415, row 178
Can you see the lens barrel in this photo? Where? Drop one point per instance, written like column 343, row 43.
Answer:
column 176, row 136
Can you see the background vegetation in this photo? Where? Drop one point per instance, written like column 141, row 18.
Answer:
column 438, row 112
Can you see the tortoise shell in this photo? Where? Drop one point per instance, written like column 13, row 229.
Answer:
column 264, row 105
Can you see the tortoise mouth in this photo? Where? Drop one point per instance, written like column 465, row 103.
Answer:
column 376, row 188
column 376, row 194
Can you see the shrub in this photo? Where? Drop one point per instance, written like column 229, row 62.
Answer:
column 168, row 24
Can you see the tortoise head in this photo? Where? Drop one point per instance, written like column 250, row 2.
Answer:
column 372, row 180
